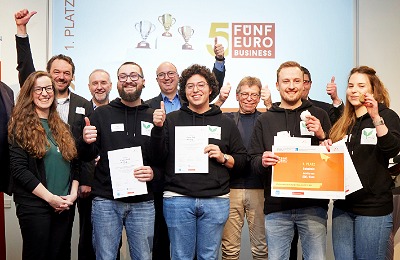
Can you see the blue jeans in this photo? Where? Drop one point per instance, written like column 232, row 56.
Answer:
column 311, row 225
column 108, row 219
column 360, row 237
column 195, row 224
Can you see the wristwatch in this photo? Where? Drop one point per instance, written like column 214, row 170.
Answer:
column 380, row 121
column 226, row 157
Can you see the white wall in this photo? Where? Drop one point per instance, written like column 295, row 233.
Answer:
column 378, row 46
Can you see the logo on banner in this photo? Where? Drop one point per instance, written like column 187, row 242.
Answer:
column 253, row 40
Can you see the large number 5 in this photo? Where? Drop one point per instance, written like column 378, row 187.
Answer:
column 214, row 33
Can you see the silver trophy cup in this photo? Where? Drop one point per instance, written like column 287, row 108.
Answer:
column 186, row 32
column 144, row 28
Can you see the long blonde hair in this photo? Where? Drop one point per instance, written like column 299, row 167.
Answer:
column 26, row 129
column 348, row 118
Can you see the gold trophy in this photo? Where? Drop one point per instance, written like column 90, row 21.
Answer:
column 145, row 28
column 186, row 32
column 167, row 21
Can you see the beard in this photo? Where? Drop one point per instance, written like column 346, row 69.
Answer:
column 130, row 97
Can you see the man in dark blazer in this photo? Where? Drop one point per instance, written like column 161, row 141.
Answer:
column 71, row 107
column 6, row 105
column 167, row 78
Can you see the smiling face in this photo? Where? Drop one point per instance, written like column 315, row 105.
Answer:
column 43, row 98
column 100, row 86
column 130, row 90
column 198, row 93
column 248, row 97
column 358, row 85
column 167, row 79
column 61, row 72
column 290, row 87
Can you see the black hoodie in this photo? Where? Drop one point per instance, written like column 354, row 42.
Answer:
column 108, row 139
column 267, row 126
column 371, row 162
column 216, row 182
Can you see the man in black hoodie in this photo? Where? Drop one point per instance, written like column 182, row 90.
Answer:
column 124, row 123
column 284, row 214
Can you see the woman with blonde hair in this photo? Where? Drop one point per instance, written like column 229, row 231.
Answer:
column 362, row 222
column 42, row 150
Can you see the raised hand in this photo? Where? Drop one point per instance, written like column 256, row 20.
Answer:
column 218, row 49
column 159, row 115
column 89, row 132
column 22, row 18
column 331, row 90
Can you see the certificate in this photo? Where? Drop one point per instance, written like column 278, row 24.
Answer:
column 308, row 172
column 122, row 162
column 190, row 142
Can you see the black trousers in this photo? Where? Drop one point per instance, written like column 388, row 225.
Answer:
column 161, row 244
column 46, row 235
column 85, row 246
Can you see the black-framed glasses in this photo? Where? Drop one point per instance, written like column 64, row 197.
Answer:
column 306, row 81
column 200, row 86
column 246, row 95
column 170, row 74
column 133, row 76
column 39, row 90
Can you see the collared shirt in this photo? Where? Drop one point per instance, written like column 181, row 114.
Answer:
column 171, row 105
column 63, row 107
column 220, row 65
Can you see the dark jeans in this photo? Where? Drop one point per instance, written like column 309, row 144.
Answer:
column 161, row 242
column 46, row 235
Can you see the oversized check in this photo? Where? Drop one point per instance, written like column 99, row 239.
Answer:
column 308, row 172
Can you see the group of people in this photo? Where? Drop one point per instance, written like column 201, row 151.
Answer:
column 59, row 144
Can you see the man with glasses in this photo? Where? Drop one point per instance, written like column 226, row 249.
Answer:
column 167, row 78
column 71, row 107
column 246, row 187
column 123, row 123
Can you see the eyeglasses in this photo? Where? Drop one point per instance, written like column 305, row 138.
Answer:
column 170, row 74
column 39, row 90
column 306, row 81
column 200, row 86
column 133, row 76
column 252, row 95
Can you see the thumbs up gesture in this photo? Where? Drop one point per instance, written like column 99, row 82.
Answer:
column 266, row 96
column 89, row 132
column 218, row 49
column 331, row 90
column 159, row 115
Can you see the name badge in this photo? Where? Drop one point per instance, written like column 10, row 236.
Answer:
column 146, row 128
column 214, row 132
column 80, row 110
column 117, row 127
column 368, row 136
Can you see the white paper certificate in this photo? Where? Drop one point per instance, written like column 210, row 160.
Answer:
column 190, row 142
column 122, row 163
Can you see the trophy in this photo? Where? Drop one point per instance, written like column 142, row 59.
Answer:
column 186, row 32
column 167, row 21
column 145, row 28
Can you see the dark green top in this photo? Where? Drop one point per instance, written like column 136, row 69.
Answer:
column 57, row 168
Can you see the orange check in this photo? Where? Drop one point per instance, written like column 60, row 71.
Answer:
column 308, row 172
